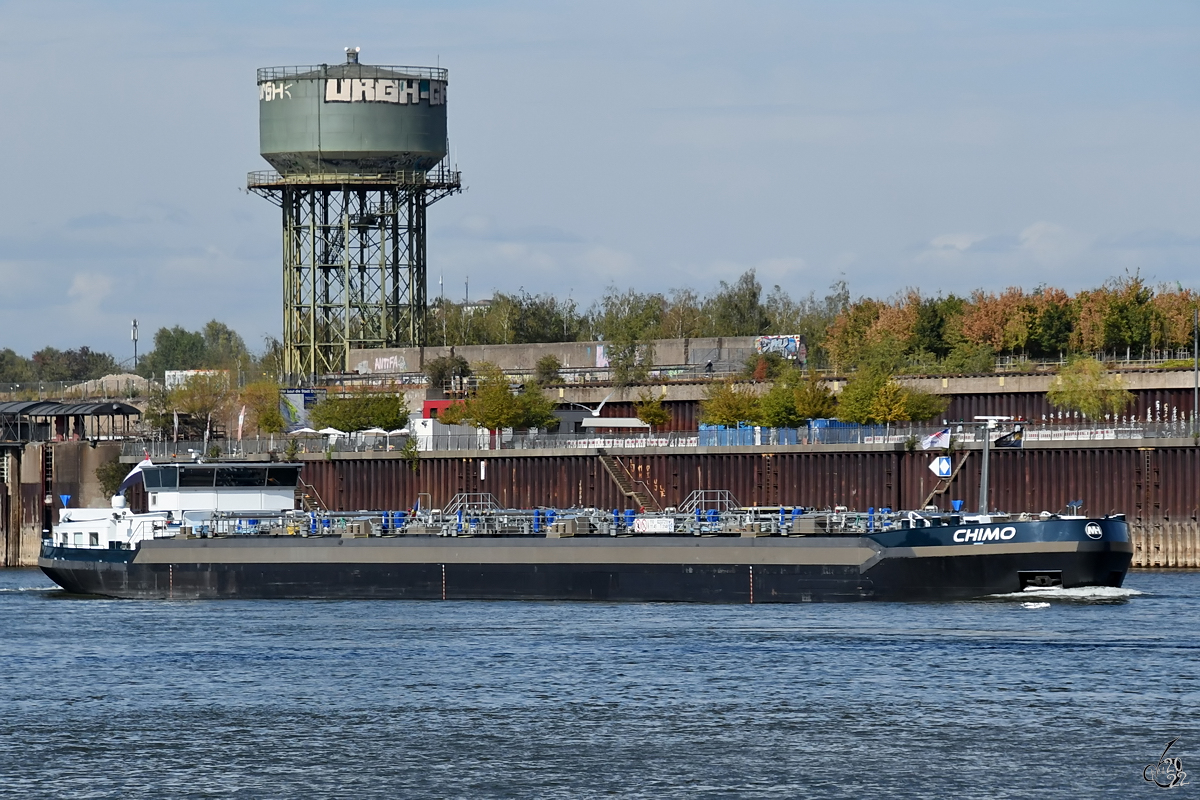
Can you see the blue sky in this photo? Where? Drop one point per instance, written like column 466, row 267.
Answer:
column 944, row 146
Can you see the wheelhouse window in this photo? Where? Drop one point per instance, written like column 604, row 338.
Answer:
column 196, row 477
column 283, row 476
column 94, row 539
column 168, row 478
column 241, row 476
column 161, row 477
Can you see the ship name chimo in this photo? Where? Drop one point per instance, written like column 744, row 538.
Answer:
column 985, row 534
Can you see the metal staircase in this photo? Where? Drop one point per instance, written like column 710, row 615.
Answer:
column 472, row 503
column 629, row 486
column 307, row 497
column 719, row 500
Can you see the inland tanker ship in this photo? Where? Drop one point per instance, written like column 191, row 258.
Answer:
column 232, row 531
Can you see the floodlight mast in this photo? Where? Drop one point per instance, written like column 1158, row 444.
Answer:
column 988, row 423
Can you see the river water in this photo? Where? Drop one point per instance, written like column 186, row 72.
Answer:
column 1069, row 695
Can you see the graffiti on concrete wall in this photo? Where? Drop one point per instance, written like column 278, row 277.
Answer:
column 791, row 347
column 390, row 364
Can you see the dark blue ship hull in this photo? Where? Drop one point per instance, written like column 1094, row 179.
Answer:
column 939, row 563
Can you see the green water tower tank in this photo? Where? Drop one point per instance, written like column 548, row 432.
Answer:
column 352, row 118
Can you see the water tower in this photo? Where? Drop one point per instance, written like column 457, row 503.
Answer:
column 357, row 152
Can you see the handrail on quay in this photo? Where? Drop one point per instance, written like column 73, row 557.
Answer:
column 906, row 434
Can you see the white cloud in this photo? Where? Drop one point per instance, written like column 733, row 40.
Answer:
column 783, row 271
column 1052, row 245
column 606, row 263
column 90, row 288
column 522, row 256
column 954, row 241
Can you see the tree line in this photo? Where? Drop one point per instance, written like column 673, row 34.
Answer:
column 910, row 332
column 215, row 346
column 793, row 398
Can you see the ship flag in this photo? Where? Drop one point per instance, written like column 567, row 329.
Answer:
column 936, row 440
column 1013, row 439
column 134, row 475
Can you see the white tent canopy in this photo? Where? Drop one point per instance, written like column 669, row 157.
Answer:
column 612, row 422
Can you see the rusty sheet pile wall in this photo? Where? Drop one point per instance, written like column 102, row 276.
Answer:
column 1145, row 483
column 1158, row 488
column 1163, row 405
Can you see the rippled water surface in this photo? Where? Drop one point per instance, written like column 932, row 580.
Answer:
column 1058, row 695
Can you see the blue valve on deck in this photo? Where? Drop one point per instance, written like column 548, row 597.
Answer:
column 616, row 518
column 312, row 522
column 326, row 522
column 537, row 521
column 713, row 518
column 629, row 515
column 550, row 517
column 459, row 521
column 871, row 518
column 796, row 512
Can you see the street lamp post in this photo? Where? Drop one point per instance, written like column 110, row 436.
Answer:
column 133, row 335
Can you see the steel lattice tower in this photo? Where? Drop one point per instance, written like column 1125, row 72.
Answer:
column 354, row 262
column 358, row 154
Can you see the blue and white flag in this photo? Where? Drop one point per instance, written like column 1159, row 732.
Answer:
column 134, row 475
column 936, row 440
